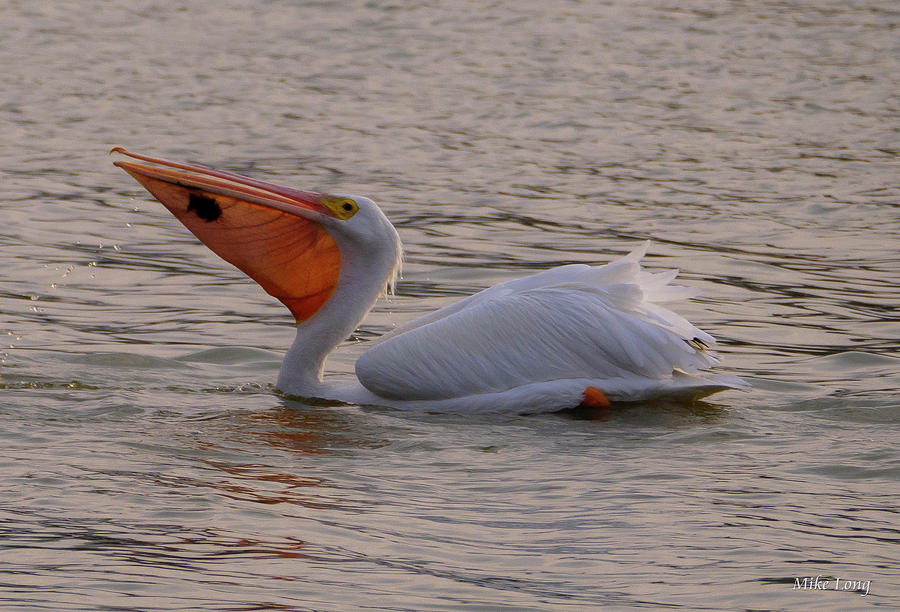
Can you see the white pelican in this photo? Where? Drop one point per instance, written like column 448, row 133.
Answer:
column 569, row 336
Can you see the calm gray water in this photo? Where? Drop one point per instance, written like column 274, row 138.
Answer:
column 147, row 461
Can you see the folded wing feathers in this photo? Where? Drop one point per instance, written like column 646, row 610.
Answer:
column 574, row 321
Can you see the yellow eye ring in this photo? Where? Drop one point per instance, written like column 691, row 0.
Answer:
column 342, row 208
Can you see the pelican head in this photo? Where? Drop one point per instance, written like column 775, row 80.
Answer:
column 300, row 246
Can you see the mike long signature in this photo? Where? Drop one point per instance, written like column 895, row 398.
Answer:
column 822, row 583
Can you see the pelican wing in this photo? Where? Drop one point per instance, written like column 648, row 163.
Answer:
column 570, row 322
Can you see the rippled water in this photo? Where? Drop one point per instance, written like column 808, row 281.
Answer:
column 148, row 463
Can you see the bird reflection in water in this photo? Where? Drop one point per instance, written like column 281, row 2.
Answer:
column 293, row 430
column 650, row 413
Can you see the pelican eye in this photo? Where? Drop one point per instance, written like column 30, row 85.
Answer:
column 343, row 208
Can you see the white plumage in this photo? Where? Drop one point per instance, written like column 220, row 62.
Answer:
column 571, row 323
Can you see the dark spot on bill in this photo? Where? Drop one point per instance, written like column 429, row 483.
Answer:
column 205, row 207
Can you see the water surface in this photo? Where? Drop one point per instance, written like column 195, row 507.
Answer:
column 150, row 464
